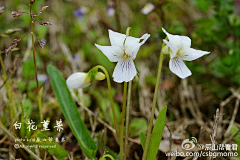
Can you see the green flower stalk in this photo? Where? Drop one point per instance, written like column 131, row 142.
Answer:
column 149, row 132
column 82, row 80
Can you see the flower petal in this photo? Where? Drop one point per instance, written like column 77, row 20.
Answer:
column 173, row 48
column 124, row 71
column 131, row 50
column 192, row 54
column 113, row 53
column 132, row 40
column 77, row 80
column 178, row 41
column 178, row 67
column 186, row 41
column 116, row 38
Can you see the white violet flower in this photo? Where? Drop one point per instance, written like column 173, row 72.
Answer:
column 123, row 50
column 179, row 47
column 149, row 7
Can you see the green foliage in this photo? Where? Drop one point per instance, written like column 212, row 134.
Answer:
column 28, row 69
column 71, row 113
column 156, row 136
column 228, row 66
column 218, row 33
column 143, row 139
column 87, row 100
column 51, row 146
column 107, row 111
column 203, row 5
column 26, row 107
column 104, row 104
column 112, row 153
column 234, row 130
column 25, row 85
column 137, row 126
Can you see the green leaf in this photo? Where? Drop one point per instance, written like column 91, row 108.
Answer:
column 234, row 130
column 70, row 112
column 53, row 148
column 28, row 69
column 203, row 5
column 105, row 105
column 157, row 134
column 27, row 107
column 22, row 85
column 33, row 84
column 143, row 139
column 137, row 126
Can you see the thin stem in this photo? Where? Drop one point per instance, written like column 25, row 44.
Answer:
column 22, row 144
column 2, row 65
column 9, row 89
column 122, row 121
column 23, row 37
column 149, row 132
column 109, row 156
column 40, row 103
column 127, row 118
column 33, row 48
column 111, row 99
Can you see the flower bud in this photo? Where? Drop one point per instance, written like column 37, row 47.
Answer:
column 11, row 31
column 166, row 50
column 8, row 50
column 78, row 80
column 82, row 79
column 32, row 2
column 100, row 76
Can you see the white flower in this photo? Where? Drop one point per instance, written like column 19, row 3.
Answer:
column 77, row 80
column 123, row 53
column 180, row 50
column 149, row 7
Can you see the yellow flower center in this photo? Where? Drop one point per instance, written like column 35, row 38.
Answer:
column 178, row 53
column 125, row 55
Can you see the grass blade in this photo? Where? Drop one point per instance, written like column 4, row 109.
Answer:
column 157, row 134
column 71, row 113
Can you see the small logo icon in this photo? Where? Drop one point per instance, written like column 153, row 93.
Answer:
column 189, row 144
